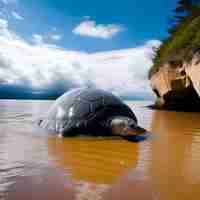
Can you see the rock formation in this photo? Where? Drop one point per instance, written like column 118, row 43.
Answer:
column 177, row 84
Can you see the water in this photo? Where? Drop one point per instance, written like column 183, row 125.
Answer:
column 34, row 165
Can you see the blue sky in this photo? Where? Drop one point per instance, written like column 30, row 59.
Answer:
column 142, row 20
column 81, row 35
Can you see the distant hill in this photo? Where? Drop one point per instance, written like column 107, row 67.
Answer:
column 22, row 92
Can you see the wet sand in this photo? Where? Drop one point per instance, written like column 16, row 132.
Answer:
column 34, row 165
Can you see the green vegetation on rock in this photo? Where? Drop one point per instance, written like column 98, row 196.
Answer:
column 184, row 35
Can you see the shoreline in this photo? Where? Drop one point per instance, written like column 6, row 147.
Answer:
column 171, row 109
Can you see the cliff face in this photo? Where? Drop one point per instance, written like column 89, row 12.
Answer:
column 193, row 71
column 177, row 84
column 175, row 74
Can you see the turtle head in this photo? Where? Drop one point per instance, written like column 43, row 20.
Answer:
column 125, row 126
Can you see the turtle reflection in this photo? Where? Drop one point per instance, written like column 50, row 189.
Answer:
column 94, row 160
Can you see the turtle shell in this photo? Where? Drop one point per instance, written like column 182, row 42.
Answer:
column 85, row 111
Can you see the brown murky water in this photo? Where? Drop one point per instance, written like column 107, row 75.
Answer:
column 34, row 165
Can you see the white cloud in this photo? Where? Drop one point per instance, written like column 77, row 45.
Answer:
column 4, row 1
column 17, row 15
column 38, row 39
column 44, row 66
column 4, row 32
column 3, row 24
column 48, row 37
column 55, row 37
column 91, row 29
column 8, row 1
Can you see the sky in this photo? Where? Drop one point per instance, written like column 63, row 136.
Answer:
column 48, row 47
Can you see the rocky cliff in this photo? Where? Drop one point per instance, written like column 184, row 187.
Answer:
column 177, row 84
column 175, row 74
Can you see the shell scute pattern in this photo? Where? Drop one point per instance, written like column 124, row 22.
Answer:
column 87, row 110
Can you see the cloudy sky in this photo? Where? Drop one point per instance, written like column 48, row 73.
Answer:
column 48, row 47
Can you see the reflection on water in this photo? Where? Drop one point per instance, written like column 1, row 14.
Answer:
column 94, row 160
column 35, row 165
column 176, row 155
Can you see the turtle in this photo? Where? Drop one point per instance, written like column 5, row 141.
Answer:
column 91, row 111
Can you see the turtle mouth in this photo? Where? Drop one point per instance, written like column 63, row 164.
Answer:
column 137, row 130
